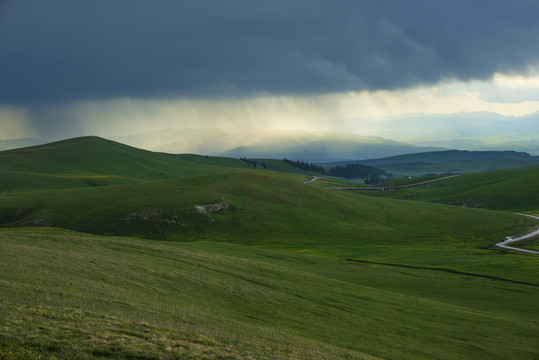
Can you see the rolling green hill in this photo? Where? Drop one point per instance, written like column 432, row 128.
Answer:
column 510, row 190
column 453, row 156
column 224, row 261
column 88, row 161
column 271, row 164
column 77, row 296
column 261, row 208
column 451, row 161
column 92, row 161
column 454, row 167
column 91, row 155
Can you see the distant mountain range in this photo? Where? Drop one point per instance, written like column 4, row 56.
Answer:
column 327, row 150
column 409, row 134
column 118, row 160
column 464, row 131
column 294, row 145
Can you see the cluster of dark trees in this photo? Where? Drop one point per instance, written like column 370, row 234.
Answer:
column 442, row 174
column 357, row 171
column 255, row 163
column 371, row 174
column 306, row 166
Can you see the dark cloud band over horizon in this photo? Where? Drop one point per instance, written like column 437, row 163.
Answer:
column 61, row 51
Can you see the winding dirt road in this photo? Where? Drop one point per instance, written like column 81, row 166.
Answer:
column 503, row 244
column 313, row 179
column 385, row 188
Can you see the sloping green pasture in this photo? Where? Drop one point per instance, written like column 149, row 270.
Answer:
column 509, row 190
column 326, row 275
column 77, row 296
column 458, row 167
column 262, row 209
column 92, row 161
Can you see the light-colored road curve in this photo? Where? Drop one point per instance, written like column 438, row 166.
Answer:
column 385, row 188
column 313, row 179
column 503, row 244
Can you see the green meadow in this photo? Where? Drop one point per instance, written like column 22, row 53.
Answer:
column 82, row 296
column 513, row 190
column 459, row 167
column 508, row 190
column 187, row 256
column 453, row 161
column 92, row 161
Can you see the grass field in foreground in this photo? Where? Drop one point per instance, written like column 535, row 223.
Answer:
column 81, row 296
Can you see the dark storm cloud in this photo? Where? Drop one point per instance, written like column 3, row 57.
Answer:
column 62, row 50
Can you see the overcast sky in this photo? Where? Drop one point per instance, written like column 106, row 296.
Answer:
column 69, row 67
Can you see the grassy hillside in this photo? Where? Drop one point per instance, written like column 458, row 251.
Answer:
column 271, row 164
column 453, row 161
column 262, row 208
column 91, row 155
column 409, row 180
column 511, row 190
column 453, row 156
column 456, row 167
column 92, row 161
column 79, row 296
column 256, row 264
column 88, row 161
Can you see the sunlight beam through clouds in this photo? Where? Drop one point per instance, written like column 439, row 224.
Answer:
column 15, row 123
column 505, row 95
column 101, row 68
column 348, row 112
